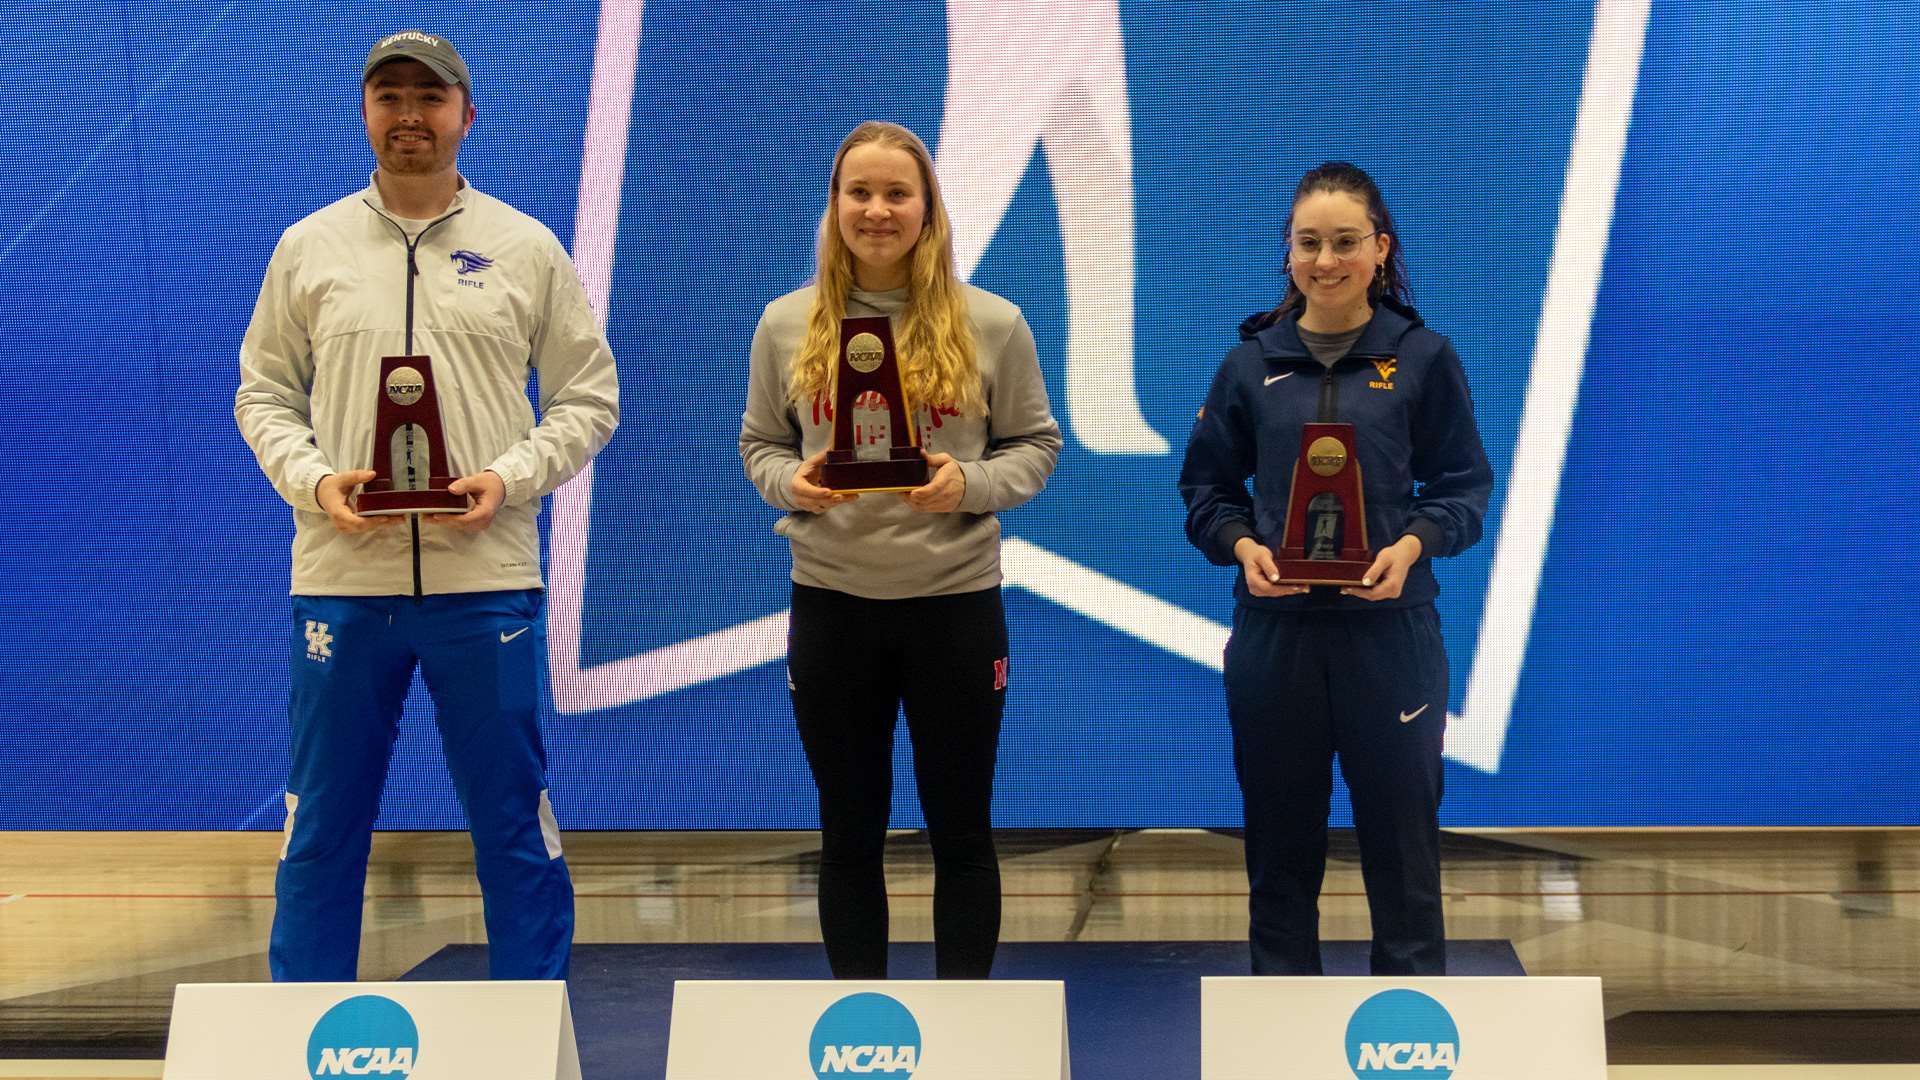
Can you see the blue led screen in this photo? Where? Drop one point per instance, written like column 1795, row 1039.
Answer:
column 1669, row 242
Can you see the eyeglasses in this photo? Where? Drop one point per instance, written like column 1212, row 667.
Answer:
column 1344, row 246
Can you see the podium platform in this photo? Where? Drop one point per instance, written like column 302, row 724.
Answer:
column 1133, row 1007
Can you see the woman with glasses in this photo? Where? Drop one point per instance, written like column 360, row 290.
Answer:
column 896, row 597
column 1356, row 672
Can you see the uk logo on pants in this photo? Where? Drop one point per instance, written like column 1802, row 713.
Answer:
column 319, row 642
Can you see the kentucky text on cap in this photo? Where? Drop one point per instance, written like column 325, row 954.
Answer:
column 430, row 49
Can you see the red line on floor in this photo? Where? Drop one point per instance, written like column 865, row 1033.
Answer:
column 1465, row 894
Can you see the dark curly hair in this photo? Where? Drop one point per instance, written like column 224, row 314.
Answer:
column 1390, row 283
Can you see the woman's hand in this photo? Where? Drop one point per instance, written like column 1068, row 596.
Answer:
column 1389, row 571
column 807, row 492
column 943, row 490
column 1263, row 577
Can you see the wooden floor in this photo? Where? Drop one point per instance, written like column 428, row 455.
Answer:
column 1736, row 949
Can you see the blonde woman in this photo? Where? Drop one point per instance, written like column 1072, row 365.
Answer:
column 896, row 597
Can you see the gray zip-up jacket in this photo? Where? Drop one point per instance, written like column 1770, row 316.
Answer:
column 877, row 546
column 490, row 296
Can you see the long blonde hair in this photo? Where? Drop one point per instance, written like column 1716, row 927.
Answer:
column 936, row 347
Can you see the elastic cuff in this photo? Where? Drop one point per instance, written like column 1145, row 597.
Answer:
column 514, row 485
column 978, row 498
column 782, row 494
column 1228, row 535
column 507, row 482
column 305, row 489
column 1432, row 536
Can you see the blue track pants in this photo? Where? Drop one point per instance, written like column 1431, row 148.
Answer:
column 353, row 660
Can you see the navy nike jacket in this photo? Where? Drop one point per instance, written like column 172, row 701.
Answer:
column 1403, row 389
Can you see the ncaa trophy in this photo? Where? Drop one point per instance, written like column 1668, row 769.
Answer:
column 1324, row 541
column 410, row 465
column 867, row 376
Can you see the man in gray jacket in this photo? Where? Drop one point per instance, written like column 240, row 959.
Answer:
column 420, row 263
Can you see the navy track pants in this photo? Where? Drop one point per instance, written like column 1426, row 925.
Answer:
column 1369, row 687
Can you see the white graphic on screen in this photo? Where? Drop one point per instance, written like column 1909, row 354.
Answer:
column 1023, row 76
column 1479, row 735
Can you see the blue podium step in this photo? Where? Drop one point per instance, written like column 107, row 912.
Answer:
column 1133, row 1007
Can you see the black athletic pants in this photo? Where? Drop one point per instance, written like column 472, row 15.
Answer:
column 852, row 664
column 1371, row 688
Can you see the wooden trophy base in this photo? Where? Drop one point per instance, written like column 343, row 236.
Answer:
column 384, row 501
column 904, row 471
column 1322, row 571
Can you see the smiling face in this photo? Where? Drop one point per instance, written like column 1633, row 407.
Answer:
column 880, row 207
column 1335, row 251
column 414, row 121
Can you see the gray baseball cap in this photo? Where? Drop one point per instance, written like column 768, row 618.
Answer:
column 432, row 50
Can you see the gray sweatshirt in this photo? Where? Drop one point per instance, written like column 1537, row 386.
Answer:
column 877, row 546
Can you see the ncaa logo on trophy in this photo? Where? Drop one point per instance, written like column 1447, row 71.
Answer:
column 1029, row 80
column 411, row 470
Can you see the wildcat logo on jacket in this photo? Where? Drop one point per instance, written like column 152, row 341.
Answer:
column 470, row 262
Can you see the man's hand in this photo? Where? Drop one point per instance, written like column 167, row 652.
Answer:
column 1263, row 577
column 943, row 490
column 487, row 491
column 334, row 493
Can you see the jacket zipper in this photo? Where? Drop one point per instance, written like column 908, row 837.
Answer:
column 413, row 271
column 1330, row 390
column 1329, row 397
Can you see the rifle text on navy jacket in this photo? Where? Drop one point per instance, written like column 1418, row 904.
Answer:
column 1423, row 468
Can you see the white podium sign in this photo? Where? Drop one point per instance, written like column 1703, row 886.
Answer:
column 1475, row 1028
column 868, row 1030
column 382, row 1031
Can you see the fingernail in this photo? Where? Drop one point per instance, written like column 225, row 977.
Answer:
column 1367, row 581
column 1275, row 578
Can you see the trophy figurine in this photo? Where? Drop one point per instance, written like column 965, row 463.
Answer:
column 410, row 464
column 1325, row 538
column 876, row 445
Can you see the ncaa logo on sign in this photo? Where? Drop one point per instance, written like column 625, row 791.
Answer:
column 367, row 1035
column 865, row 1034
column 1399, row 1033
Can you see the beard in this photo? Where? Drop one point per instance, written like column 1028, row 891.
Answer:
column 436, row 155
